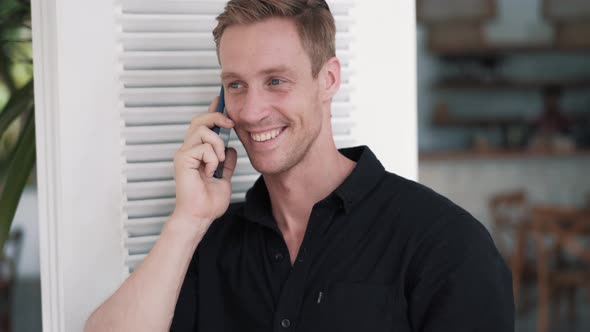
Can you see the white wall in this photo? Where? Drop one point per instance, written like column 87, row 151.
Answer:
column 78, row 157
column 385, row 82
column 471, row 183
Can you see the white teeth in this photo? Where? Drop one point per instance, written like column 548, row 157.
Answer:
column 265, row 136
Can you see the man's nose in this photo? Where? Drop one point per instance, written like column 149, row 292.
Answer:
column 255, row 106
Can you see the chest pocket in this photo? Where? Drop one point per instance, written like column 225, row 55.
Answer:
column 356, row 307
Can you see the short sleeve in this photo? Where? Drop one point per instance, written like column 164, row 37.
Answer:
column 460, row 281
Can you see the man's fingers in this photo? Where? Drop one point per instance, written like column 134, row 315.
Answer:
column 204, row 148
column 207, row 121
column 203, row 135
column 210, row 120
column 229, row 166
column 196, row 156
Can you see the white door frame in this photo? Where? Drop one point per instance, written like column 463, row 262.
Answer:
column 78, row 157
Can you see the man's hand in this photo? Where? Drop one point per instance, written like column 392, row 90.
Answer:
column 146, row 300
column 199, row 196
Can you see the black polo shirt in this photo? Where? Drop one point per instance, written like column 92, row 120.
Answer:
column 381, row 253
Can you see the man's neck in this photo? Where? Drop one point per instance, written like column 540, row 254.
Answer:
column 294, row 193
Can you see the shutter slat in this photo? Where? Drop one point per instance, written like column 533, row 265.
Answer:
column 202, row 95
column 163, row 78
column 166, row 188
column 171, row 78
column 167, row 22
column 145, row 223
column 170, row 60
column 176, row 133
column 163, row 170
column 161, row 206
column 135, row 60
column 189, row 41
column 172, row 7
column 138, row 116
column 133, row 260
column 200, row 7
column 165, row 151
column 191, row 23
column 140, row 245
column 148, row 230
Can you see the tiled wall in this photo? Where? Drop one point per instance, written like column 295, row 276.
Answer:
column 470, row 183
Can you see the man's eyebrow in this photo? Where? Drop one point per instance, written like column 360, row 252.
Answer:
column 229, row 75
column 277, row 70
column 269, row 71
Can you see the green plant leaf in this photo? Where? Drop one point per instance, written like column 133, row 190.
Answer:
column 21, row 100
column 18, row 171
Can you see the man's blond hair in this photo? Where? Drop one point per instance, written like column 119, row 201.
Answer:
column 313, row 19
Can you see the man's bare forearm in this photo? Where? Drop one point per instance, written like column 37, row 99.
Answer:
column 146, row 300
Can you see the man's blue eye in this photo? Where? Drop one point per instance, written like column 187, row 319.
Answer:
column 275, row 81
column 234, row 85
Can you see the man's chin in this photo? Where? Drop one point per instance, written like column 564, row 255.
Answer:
column 267, row 167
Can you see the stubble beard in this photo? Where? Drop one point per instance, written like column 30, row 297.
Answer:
column 288, row 159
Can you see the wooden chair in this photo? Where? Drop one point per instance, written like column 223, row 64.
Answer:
column 563, row 258
column 510, row 230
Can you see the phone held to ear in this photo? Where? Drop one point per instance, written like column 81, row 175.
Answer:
column 222, row 132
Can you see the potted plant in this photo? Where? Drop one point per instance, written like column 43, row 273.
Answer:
column 17, row 129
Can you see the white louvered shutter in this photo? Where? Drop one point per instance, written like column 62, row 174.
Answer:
column 169, row 74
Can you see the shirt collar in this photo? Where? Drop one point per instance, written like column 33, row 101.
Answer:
column 364, row 177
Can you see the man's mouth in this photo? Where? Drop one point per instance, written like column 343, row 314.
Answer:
column 267, row 135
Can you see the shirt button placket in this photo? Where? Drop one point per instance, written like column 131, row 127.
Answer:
column 291, row 297
column 302, row 254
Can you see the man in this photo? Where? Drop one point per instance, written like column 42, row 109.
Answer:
column 552, row 129
column 327, row 240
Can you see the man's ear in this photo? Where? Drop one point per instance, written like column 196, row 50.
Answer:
column 330, row 76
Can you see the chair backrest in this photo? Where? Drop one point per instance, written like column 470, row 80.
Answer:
column 509, row 211
column 560, row 230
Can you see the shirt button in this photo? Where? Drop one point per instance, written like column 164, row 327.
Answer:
column 277, row 256
column 285, row 323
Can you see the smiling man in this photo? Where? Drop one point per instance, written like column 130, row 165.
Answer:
column 327, row 240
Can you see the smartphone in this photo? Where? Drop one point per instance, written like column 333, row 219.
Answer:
column 222, row 132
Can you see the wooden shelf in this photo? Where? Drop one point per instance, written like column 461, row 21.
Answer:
column 507, row 50
column 468, row 84
column 450, row 120
column 499, row 154
column 481, row 123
